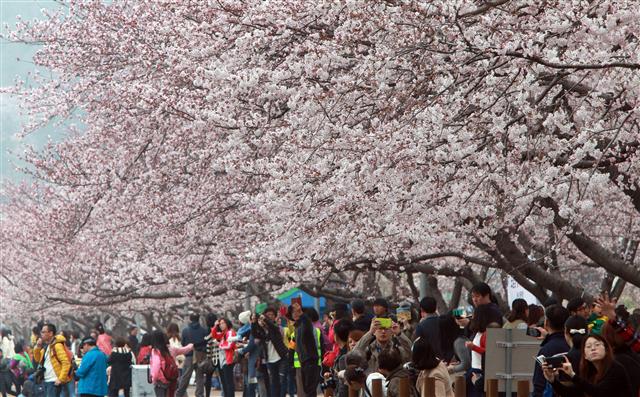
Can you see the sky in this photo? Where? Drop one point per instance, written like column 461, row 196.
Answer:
column 10, row 68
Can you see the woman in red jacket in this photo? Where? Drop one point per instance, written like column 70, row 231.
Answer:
column 224, row 333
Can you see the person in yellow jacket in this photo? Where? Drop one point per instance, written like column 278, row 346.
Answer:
column 51, row 355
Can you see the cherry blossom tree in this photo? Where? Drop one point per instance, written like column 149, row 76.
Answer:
column 228, row 144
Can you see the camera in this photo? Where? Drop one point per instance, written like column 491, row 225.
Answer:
column 329, row 384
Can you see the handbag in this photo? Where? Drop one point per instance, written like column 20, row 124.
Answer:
column 206, row 366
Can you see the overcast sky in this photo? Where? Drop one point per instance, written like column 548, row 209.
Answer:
column 10, row 68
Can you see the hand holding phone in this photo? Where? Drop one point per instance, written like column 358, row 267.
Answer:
column 531, row 331
column 384, row 323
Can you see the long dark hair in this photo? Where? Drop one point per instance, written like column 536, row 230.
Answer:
column 160, row 342
column 422, row 355
column 535, row 314
column 100, row 328
column 173, row 331
column 576, row 328
column 481, row 318
column 587, row 369
column 228, row 323
column 146, row 340
column 449, row 331
column 519, row 309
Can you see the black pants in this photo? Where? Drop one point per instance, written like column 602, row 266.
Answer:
column 114, row 392
column 310, row 379
column 228, row 383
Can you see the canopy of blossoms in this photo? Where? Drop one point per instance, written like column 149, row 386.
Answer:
column 228, row 143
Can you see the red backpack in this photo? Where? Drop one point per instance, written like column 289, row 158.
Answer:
column 170, row 370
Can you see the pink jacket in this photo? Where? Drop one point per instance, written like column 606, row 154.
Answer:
column 157, row 362
column 176, row 351
column 104, row 344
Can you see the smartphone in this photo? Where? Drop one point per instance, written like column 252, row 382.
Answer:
column 533, row 332
column 384, row 322
column 555, row 361
column 458, row 313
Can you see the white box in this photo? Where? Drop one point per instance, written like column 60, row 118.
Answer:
column 140, row 386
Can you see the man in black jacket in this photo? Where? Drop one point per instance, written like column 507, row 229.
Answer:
column 307, row 350
column 554, row 343
column 276, row 351
column 193, row 333
column 361, row 319
column 429, row 327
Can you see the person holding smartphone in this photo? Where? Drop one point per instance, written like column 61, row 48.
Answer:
column 553, row 343
column 601, row 375
column 384, row 332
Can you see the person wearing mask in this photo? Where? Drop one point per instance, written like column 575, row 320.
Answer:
column 600, row 375
column 163, row 368
column 92, row 373
column 144, row 354
column 578, row 307
column 276, row 352
column 424, row 360
column 132, row 340
column 51, row 354
column 120, row 362
column 194, row 334
column 390, row 365
column 361, row 319
column 308, row 350
column 519, row 315
column 553, row 343
column 429, row 327
column 223, row 332
column 380, row 338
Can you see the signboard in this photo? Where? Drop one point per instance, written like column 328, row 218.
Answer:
column 510, row 356
column 515, row 291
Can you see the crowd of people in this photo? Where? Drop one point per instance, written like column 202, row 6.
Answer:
column 586, row 349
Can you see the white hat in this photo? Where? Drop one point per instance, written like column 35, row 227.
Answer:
column 245, row 317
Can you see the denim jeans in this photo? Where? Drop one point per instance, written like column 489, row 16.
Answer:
column 289, row 384
column 51, row 390
column 277, row 377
